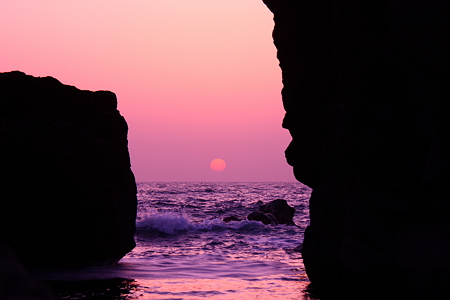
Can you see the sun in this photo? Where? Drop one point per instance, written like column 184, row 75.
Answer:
column 218, row 165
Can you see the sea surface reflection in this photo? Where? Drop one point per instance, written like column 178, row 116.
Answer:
column 186, row 251
column 269, row 287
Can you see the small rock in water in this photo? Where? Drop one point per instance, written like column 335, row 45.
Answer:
column 275, row 212
column 231, row 218
column 262, row 217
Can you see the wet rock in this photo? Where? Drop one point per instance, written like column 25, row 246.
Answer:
column 231, row 218
column 274, row 212
column 281, row 210
column 366, row 89
column 267, row 219
column 68, row 193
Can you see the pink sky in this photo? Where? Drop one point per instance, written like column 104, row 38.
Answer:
column 196, row 80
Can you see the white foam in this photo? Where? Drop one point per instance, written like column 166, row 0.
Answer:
column 167, row 222
column 172, row 223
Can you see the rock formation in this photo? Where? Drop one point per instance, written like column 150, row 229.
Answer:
column 274, row 212
column 68, row 193
column 366, row 91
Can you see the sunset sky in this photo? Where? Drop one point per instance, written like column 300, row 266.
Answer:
column 196, row 80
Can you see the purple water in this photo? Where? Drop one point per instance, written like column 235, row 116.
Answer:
column 185, row 251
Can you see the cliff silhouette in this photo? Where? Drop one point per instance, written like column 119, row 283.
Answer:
column 366, row 92
column 68, row 193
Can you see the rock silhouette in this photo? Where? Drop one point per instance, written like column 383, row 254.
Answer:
column 366, row 91
column 274, row 212
column 68, row 193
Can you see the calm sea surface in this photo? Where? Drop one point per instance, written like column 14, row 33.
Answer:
column 185, row 251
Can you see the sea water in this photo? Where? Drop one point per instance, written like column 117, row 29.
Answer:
column 186, row 251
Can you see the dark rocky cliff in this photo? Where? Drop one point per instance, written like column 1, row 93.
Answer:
column 366, row 92
column 68, row 196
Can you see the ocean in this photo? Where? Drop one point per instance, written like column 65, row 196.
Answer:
column 186, row 251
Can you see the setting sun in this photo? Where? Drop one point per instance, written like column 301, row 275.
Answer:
column 218, row 165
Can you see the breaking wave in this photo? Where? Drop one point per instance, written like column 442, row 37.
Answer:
column 173, row 223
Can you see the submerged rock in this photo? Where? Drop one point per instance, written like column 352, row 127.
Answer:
column 274, row 212
column 366, row 91
column 68, row 193
column 231, row 218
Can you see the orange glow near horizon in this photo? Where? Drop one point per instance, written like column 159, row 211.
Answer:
column 193, row 78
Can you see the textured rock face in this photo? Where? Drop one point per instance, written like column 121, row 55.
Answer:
column 366, row 92
column 68, row 195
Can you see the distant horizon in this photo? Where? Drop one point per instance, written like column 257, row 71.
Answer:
column 195, row 80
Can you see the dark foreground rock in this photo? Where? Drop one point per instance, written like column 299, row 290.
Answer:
column 68, row 196
column 15, row 281
column 274, row 212
column 366, row 93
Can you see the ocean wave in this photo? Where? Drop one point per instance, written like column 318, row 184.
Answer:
column 165, row 222
column 173, row 223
